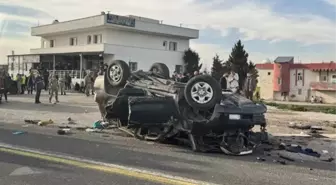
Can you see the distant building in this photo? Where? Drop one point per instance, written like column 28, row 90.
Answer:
column 286, row 80
column 77, row 45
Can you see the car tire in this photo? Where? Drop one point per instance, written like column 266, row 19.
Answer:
column 120, row 78
column 211, row 92
column 162, row 70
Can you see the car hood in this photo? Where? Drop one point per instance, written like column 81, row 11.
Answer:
column 236, row 103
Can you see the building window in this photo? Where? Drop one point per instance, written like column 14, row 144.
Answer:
column 172, row 46
column 164, row 43
column 178, row 69
column 299, row 77
column 73, row 41
column 52, row 43
column 44, row 44
column 279, row 81
column 269, row 73
column 299, row 91
column 26, row 66
column 324, row 78
column 89, row 39
column 97, row 39
column 133, row 66
column 12, row 66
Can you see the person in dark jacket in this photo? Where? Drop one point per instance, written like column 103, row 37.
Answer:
column 185, row 78
column 30, row 83
column 46, row 79
column 8, row 83
column 39, row 86
column 223, row 82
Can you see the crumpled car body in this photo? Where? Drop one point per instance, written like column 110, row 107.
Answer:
column 156, row 108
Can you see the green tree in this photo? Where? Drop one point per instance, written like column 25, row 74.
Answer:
column 191, row 61
column 238, row 62
column 252, row 69
column 217, row 67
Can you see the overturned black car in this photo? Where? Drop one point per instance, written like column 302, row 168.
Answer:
column 154, row 107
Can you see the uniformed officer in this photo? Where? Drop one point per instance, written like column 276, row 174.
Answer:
column 62, row 85
column 88, row 83
column 49, row 82
column 54, row 88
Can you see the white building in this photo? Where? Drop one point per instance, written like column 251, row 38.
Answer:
column 83, row 43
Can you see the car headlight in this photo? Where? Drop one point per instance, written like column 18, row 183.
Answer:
column 234, row 116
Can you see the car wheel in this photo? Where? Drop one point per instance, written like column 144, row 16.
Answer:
column 118, row 73
column 202, row 92
column 160, row 69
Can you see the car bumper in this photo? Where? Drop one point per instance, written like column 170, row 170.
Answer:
column 220, row 121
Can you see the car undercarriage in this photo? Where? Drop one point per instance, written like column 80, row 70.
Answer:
column 151, row 106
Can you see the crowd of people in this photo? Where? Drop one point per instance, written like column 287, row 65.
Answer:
column 37, row 80
column 228, row 82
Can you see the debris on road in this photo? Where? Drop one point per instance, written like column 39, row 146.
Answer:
column 19, row 132
column 328, row 159
column 298, row 126
column 316, row 128
column 261, row 159
column 28, row 121
column 93, row 130
column 44, row 123
column 63, row 131
column 286, row 157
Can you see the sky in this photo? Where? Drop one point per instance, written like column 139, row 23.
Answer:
column 305, row 29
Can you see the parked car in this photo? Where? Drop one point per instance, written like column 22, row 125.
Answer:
column 157, row 108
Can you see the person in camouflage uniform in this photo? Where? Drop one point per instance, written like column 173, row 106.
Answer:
column 61, row 82
column 88, row 83
column 54, row 88
column 49, row 82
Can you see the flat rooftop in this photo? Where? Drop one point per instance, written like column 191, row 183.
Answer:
column 108, row 20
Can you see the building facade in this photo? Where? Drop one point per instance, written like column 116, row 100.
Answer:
column 286, row 80
column 81, row 44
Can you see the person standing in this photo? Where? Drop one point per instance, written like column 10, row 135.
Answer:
column 61, row 82
column 223, row 82
column 46, row 76
column 93, row 79
column 233, row 82
column 39, row 83
column 23, row 83
column 8, row 83
column 249, row 86
column 88, row 83
column 54, row 88
column 30, row 83
column 18, row 82
column 48, row 82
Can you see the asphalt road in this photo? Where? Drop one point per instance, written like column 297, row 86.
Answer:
column 177, row 161
column 19, row 170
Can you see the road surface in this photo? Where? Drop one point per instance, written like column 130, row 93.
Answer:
column 151, row 158
column 20, row 170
